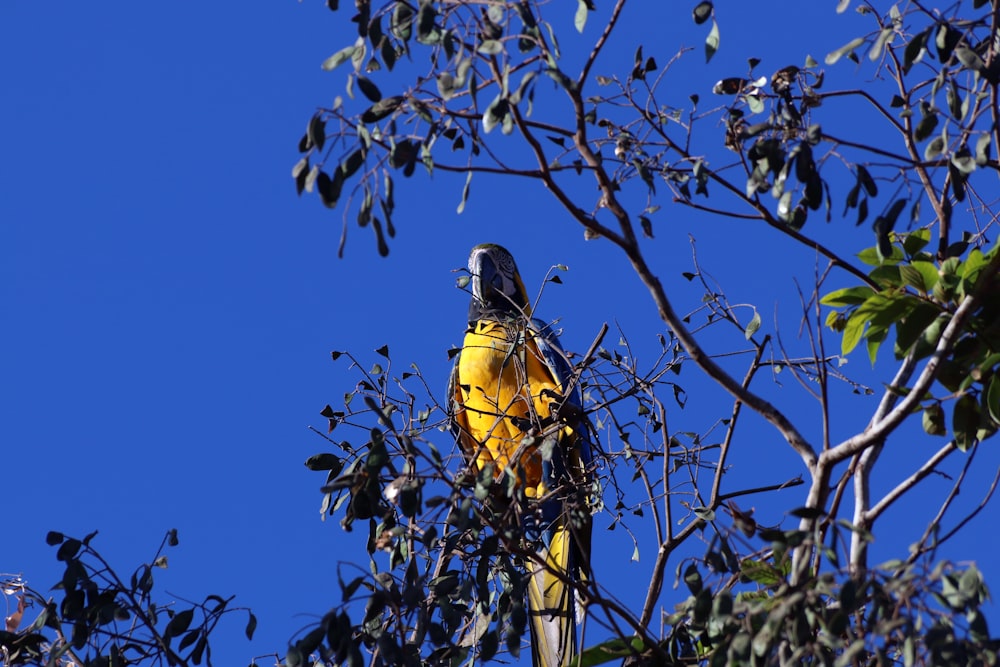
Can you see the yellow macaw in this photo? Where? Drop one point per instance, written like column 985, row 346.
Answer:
column 506, row 385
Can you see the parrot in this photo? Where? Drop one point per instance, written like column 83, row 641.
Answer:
column 509, row 394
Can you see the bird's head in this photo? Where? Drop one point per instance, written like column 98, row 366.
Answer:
column 496, row 283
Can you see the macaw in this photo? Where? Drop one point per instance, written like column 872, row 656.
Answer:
column 508, row 394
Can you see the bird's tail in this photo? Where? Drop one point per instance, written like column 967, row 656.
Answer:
column 553, row 607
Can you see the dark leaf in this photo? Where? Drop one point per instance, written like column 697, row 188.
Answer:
column 383, row 247
column 693, row 579
column 369, row 90
column 189, row 638
column 329, row 188
column 965, row 421
column 402, row 21
column 325, row 462
column 316, row 131
column 866, row 181
column 382, row 108
column 928, row 122
column 702, row 12
column 68, row 549
column 647, row 226
column 353, row 162
column 179, row 623
column 915, row 50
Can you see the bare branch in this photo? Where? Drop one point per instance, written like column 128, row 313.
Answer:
column 896, row 493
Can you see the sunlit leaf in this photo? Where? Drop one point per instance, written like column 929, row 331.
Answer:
column 339, row 58
column 836, row 55
column 712, row 41
column 753, row 325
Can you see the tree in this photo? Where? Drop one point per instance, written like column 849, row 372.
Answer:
column 482, row 88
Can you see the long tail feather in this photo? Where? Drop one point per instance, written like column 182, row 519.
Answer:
column 552, row 606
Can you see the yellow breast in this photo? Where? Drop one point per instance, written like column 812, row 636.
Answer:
column 500, row 383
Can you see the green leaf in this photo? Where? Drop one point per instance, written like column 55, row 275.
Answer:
column 561, row 78
column 920, row 330
column 853, row 331
column 848, row 296
column 933, row 420
column 954, row 100
column 883, row 38
column 912, row 277
column 965, row 421
column 693, row 579
column 490, row 47
column 834, row 56
column 916, row 240
column 925, row 128
column 993, row 399
column 612, row 650
column 516, row 96
column 874, row 339
column 339, row 58
column 465, row 193
column 969, row 58
column 928, row 273
column 935, row 148
column 753, row 326
column 760, row 572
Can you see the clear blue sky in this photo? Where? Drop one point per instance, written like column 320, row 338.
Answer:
column 169, row 305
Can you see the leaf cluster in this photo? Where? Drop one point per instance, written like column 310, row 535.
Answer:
column 103, row 619
column 916, row 297
column 897, row 614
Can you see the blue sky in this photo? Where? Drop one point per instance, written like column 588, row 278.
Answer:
column 170, row 304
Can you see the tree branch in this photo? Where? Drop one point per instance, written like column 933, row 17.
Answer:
column 601, row 41
column 895, row 494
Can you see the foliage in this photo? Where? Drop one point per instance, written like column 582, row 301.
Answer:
column 104, row 619
column 484, row 88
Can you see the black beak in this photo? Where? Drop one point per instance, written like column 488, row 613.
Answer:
column 490, row 282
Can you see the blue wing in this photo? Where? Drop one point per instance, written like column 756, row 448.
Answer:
column 562, row 371
column 563, row 529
